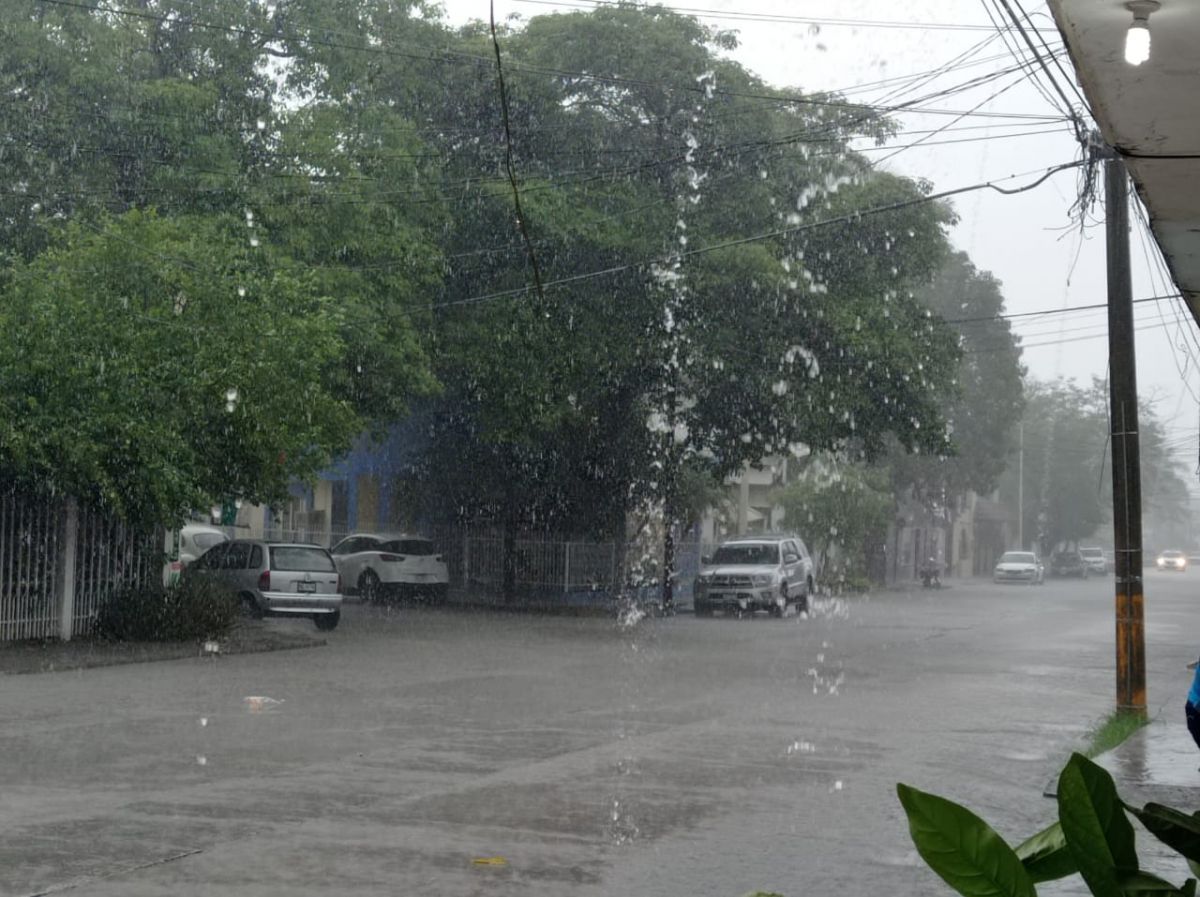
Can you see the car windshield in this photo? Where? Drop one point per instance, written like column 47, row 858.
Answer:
column 299, row 558
column 412, row 547
column 1172, row 555
column 747, row 554
column 1018, row 557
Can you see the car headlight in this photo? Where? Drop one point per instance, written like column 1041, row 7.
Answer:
column 764, row 579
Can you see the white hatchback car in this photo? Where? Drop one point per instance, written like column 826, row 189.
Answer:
column 380, row 565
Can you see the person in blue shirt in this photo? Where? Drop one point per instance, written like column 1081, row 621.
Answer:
column 1192, row 708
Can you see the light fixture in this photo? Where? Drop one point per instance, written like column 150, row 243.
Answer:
column 1137, row 39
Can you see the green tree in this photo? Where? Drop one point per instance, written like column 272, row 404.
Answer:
column 843, row 508
column 1068, row 468
column 155, row 365
column 1064, row 440
column 983, row 403
column 674, row 360
column 182, row 123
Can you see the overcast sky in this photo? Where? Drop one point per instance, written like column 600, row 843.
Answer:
column 1028, row 241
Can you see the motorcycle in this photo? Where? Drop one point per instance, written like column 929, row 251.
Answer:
column 931, row 574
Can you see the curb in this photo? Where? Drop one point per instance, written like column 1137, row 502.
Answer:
column 60, row 657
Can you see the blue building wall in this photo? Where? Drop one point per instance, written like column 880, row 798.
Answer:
column 388, row 459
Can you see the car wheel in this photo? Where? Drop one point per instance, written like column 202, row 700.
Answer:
column 250, row 607
column 780, row 609
column 327, row 622
column 370, row 589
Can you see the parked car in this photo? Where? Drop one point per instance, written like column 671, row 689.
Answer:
column 755, row 573
column 378, row 565
column 184, row 546
column 197, row 538
column 1068, row 563
column 277, row 578
column 1095, row 560
column 1019, row 566
column 1172, row 560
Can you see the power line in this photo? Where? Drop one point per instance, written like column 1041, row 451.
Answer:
column 1068, row 107
column 771, row 17
column 1072, row 309
column 1055, row 55
column 757, row 238
column 782, row 98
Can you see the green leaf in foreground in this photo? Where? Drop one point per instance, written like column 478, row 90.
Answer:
column 1046, row 856
column 1176, row 829
column 1143, row 884
column 962, row 848
column 1099, row 834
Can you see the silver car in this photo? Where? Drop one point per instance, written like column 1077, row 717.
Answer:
column 277, row 578
column 755, row 573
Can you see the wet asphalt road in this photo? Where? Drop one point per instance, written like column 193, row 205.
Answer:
column 681, row 757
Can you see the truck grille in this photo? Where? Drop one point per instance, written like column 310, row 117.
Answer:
column 731, row 581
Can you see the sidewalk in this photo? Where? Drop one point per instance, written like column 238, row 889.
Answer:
column 1159, row 763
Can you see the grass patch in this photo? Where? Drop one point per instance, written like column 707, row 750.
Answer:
column 1111, row 731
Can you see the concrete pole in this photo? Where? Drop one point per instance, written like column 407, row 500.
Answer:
column 1126, row 462
column 68, row 541
column 1021, row 486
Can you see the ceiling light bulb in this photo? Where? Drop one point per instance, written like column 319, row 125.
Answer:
column 1137, row 43
column 1137, row 38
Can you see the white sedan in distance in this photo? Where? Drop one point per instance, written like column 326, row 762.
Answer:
column 1019, row 566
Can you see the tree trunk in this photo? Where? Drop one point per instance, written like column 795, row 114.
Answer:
column 668, row 567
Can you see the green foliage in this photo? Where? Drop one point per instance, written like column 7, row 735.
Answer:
column 1093, row 838
column 984, row 402
column 154, row 149
column 180, row 227
column 152, row 365
column 194, row 609
column 962, row 848
column 1112, row 730
column 1068, row 471
column 851, row 503
column 611, row 393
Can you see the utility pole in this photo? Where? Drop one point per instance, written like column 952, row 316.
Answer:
column 1126, row 460
column 1021, row 485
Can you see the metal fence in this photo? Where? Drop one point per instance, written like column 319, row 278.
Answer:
column 545, row 565
column 58, row 564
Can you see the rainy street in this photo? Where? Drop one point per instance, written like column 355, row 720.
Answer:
column 454, row 753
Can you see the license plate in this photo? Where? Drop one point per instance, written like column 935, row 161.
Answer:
column 306, row 587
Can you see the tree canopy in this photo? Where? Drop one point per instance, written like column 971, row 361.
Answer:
column 309, row 203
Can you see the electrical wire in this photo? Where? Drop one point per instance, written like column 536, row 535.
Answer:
column 821, row 21
column 783, row 98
